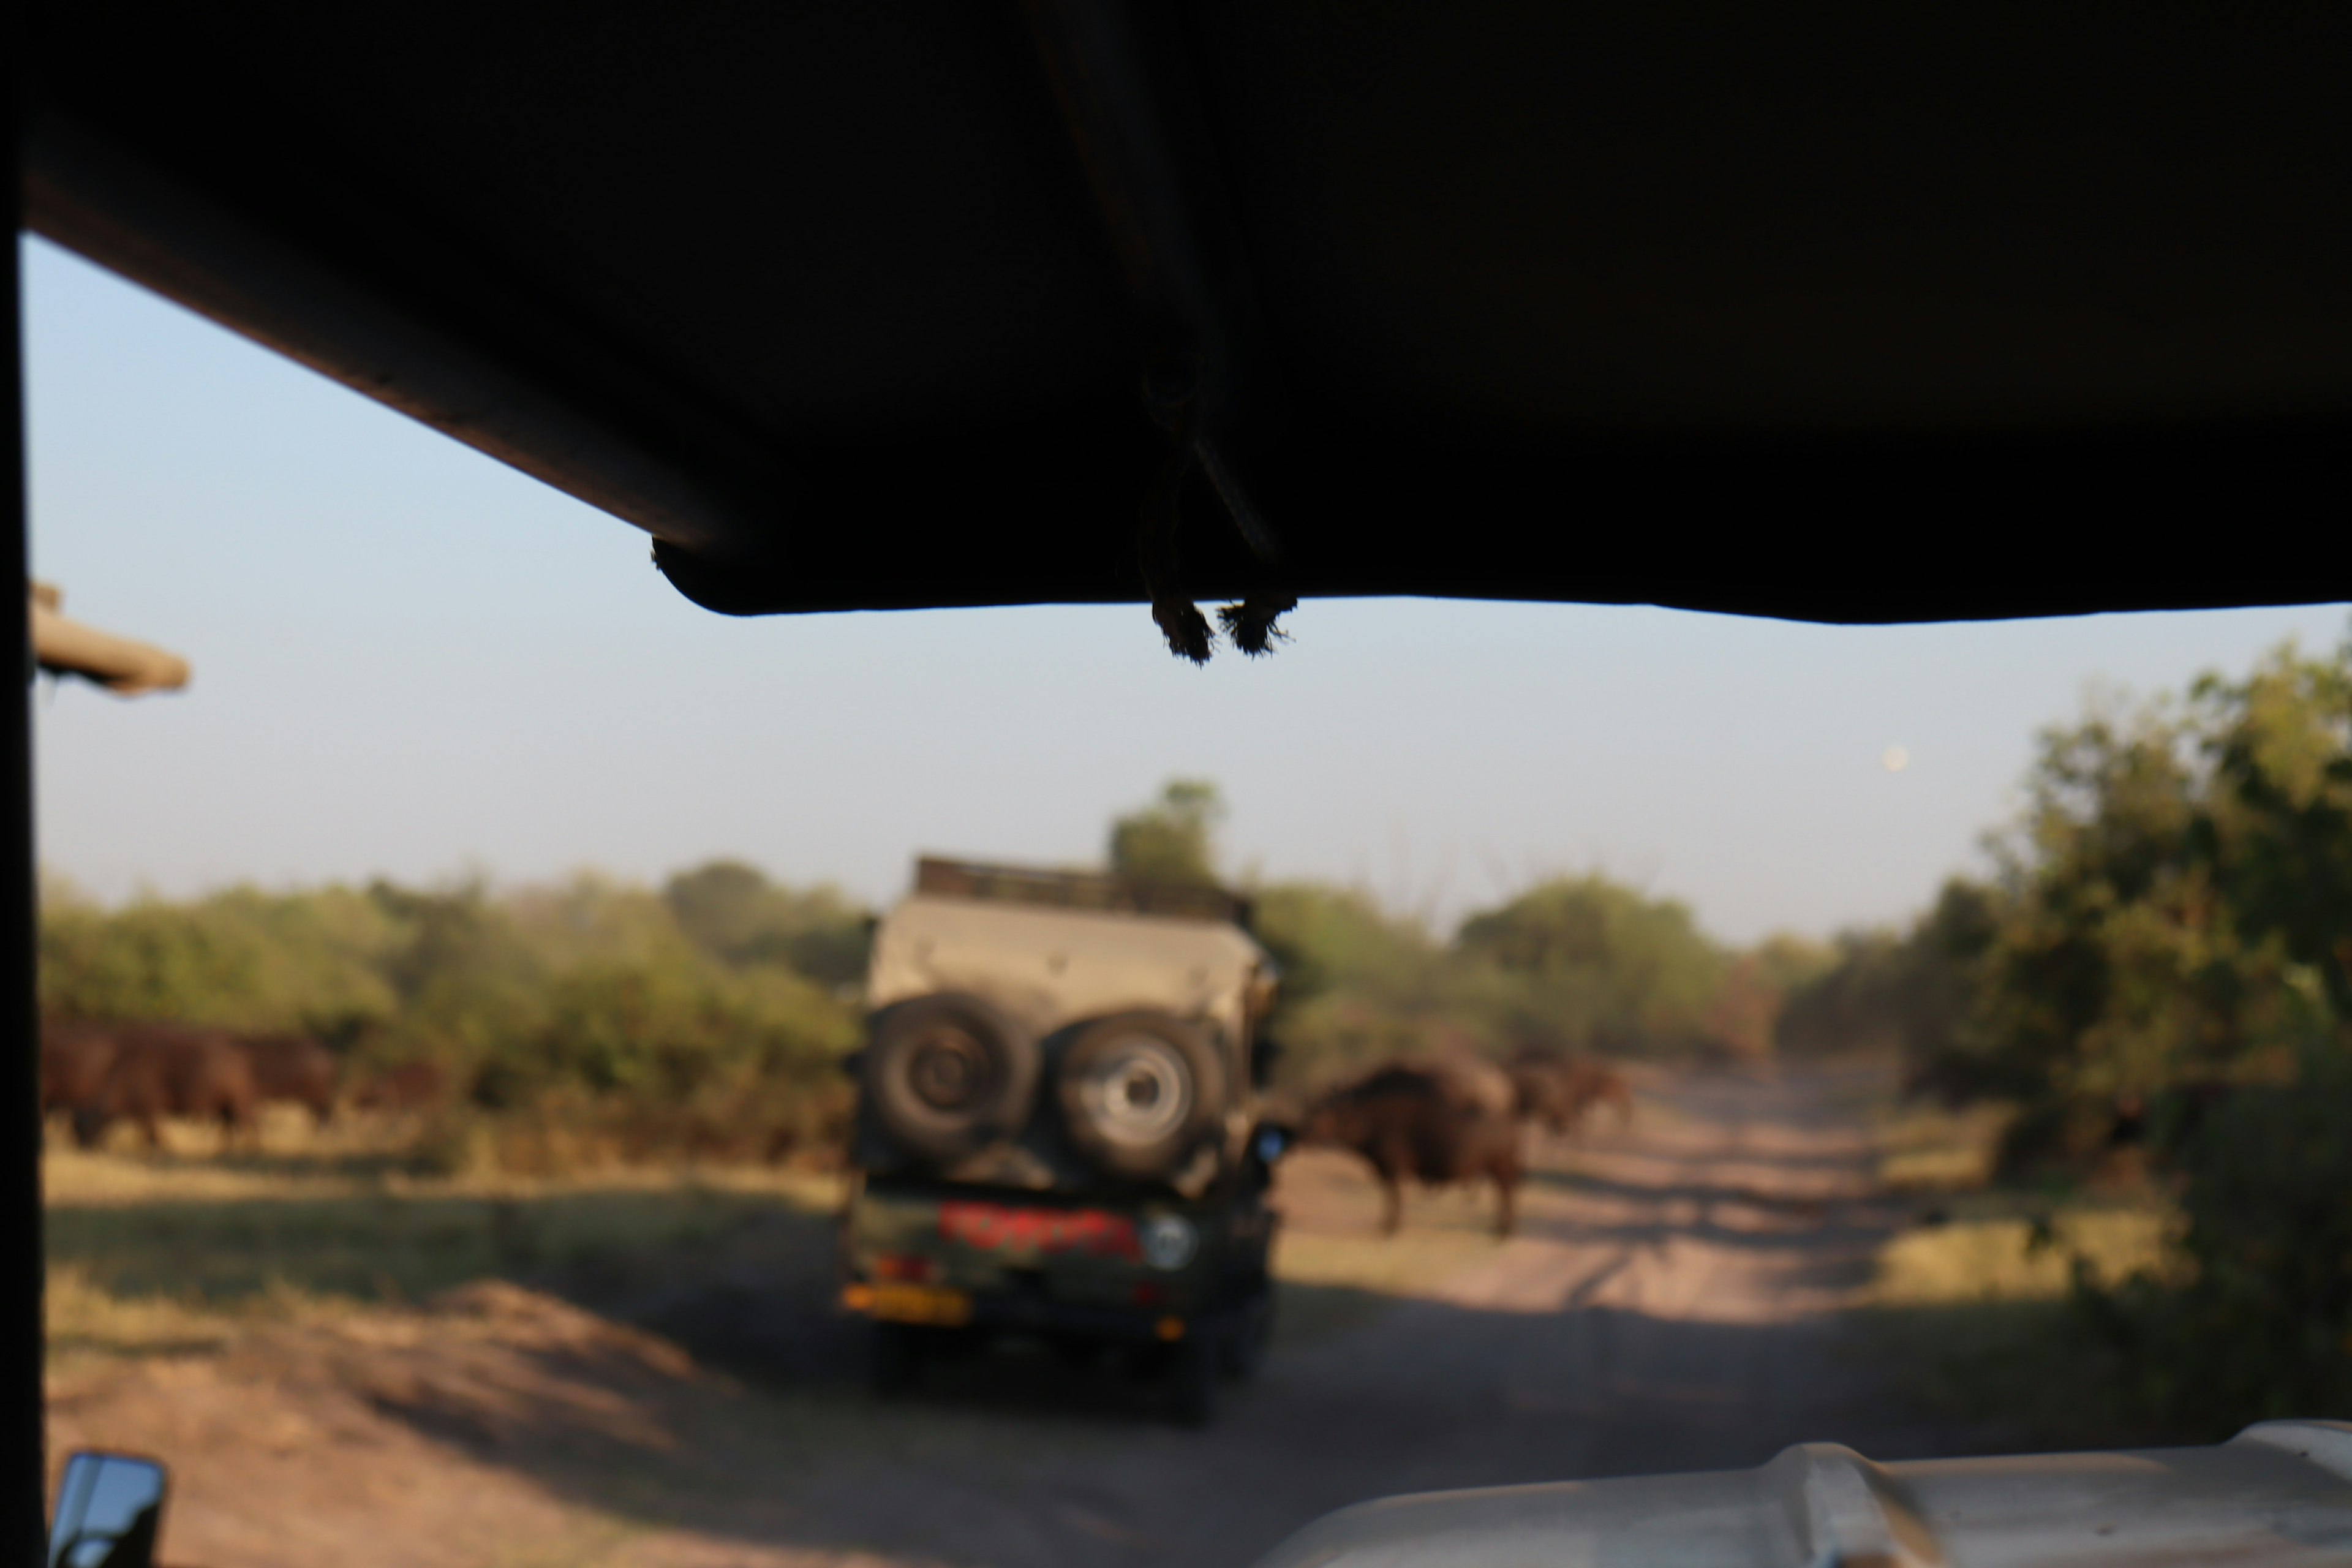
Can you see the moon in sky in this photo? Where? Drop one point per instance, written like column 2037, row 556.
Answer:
column 1895, row 758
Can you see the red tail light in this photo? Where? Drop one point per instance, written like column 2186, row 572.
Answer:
column 906, row 1268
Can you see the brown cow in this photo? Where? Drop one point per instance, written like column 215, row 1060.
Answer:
column 165, row 1070
column 1431, row 1122
column 1560, row 1090
column 292, row 1067
column 75, row 1058
column 419, row 1085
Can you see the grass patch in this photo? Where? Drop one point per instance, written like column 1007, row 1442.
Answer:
column 159, row 1254
column 2002, row 1259
column 1927, row 1149
column 1976, row 1317
column 1976, row 1314
column 181, row 1251
column 84, row 1319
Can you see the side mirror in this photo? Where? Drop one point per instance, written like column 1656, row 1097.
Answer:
column 109, row 1512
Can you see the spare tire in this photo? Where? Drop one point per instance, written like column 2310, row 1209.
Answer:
column 947, row 1074
column 1139, row 1091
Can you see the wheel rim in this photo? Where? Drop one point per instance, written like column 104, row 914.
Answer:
column 950, row 1073
column 1138, row 1092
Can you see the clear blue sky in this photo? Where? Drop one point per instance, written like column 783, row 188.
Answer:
column 412, row 661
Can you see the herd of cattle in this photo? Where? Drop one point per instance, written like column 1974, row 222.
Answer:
column 101, row 1074
column 1432, row 1121
column 1460, row 1120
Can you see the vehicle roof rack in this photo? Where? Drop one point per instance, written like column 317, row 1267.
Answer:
column 1078, row 891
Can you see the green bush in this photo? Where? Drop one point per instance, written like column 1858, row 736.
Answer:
column 2263, row 1326
column 735, row 915
column 1171, row 840
column 240, row 960
column 2169, row 910
column 1582, row 964
column 1903, row 996
column 586, row 1020
column 2162, row 970
column 1577, row 964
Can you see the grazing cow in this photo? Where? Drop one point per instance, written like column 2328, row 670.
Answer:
column 292, row 1067
column 75, row 1060
column 1431, row 1122
column 160, row 1070
column 1560, row 1090
column 419, row 1085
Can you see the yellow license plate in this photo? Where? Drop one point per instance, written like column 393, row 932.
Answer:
column 931, row 1304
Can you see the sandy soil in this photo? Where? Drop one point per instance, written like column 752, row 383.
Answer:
column 1672, row 1301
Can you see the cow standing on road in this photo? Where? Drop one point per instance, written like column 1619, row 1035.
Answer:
column 1559, row 1090
column 1431, row 1122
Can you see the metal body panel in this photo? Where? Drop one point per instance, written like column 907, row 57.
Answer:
column 2279, row 1495
column 1052, row 968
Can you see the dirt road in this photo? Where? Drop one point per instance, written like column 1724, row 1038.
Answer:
column 1672, row 1302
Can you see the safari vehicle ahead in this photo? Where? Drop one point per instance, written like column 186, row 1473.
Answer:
column 1056, row 1132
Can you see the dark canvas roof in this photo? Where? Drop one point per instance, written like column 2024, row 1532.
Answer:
column 1816, row 309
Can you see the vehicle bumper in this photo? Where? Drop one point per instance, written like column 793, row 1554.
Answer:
column 1027, row 1311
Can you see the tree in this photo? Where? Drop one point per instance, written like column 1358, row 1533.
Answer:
column 725, row 907
column 2168, row 916
column 1905, row 996
column 1173, row 839
column 1358, row 984
column 1590, row 963
column 2280, row 748
column 733, row 912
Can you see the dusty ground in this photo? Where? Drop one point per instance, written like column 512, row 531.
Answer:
column 1673, row 1302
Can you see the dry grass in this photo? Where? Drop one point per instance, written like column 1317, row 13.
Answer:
column 283, row 1132
column 168, row 1253
column 1975, row 1315
column 1975, row 1321
column 73, row 1179
column 185, row 1250
column 1928, row 1149
column 1989, row 1246
column 1973, row 1311
column 1995, row 1259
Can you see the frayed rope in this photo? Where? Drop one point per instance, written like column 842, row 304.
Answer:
column 1185, row 628
column 1251, row 624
